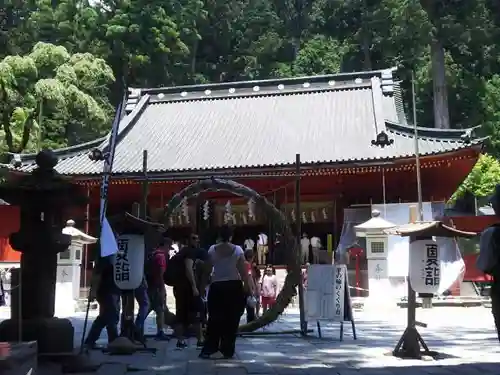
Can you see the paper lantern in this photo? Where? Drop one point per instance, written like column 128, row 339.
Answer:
column 425, row 268
column 128, row 267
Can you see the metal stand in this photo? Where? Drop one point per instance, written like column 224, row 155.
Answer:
column 298, row 230
column 409, row 344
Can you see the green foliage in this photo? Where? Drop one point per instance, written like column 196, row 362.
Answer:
column 170, row 42
column 482, row 180
column 67, row 93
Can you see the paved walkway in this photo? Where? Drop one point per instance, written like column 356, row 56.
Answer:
column 465, row 337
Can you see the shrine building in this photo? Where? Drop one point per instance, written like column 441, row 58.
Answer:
column 355, row 142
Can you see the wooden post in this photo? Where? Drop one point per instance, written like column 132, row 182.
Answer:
column 303, row 322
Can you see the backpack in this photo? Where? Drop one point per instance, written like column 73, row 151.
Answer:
column 150, row 267
column 175, row 270
column 488, row 259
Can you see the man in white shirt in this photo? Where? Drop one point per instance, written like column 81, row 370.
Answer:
column 249, row 244
column 305, row 243
column 316, row 247
column 262, row 248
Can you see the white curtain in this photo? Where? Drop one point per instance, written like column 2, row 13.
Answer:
column 452, row 264
column 352, row 217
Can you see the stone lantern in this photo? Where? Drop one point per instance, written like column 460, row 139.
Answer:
column 376, row 254
column 43, row 196
column 69, row 269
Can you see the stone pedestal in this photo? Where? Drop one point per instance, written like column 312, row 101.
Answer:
column 18, row 358
column 37, row 316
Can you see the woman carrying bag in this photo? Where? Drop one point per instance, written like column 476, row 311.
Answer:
column 227, row 295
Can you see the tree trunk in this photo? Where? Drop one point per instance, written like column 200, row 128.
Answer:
column 440, row 91
column 367, row 60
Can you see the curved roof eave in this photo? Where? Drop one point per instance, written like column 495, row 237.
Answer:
column 432, row 132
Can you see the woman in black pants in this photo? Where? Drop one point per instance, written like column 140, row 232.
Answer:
column 226, row 297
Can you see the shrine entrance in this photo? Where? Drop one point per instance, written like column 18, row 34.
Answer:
column 292, row 255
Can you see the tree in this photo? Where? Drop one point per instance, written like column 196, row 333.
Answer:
column 482, row 180
column 52, row 98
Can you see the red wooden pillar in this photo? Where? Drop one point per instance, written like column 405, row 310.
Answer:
column 357, row 252
column 9, row 223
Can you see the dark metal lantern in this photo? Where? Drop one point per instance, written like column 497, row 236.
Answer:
column 96, row 155
column 382, row 140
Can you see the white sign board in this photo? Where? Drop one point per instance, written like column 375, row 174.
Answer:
column 326, row 292
column 129, row 261
column 425, row 268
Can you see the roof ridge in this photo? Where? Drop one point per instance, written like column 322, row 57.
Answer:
column 268, row 82
column 75, row 149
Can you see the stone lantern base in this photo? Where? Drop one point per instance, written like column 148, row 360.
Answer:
column 53, row 335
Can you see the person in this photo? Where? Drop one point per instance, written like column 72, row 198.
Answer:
column 256, row 274
column 229, row 289
column 305, row 244
column 251, row 310
column 488, row 260
column 269, row 289
column 202, row 273
column 156, row 264
column 187, row 296
column 316, row 248
column 107, row 294
column 3, row 301
column 262, row 248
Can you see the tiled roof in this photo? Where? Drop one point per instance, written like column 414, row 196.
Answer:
column 328, row 119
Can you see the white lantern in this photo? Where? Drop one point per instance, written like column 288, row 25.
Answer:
column 128, row 267
column 425, row 271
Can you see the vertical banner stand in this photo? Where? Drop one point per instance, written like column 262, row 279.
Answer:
column 328, row 306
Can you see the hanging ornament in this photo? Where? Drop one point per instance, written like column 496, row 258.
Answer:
column 185, row 210
column 251, row 209
column 313, row 217
column 325, row 214
column 206, row 211
column 228, row 214
column 292, row 214
column 304, row 218
column 244, row 218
